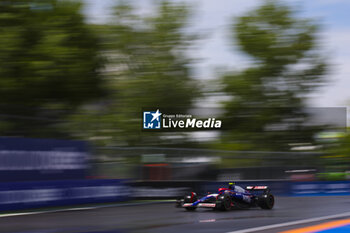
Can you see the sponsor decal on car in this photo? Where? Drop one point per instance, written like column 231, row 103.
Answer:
column 207, row 205
column 256, row 187
column 187, row 204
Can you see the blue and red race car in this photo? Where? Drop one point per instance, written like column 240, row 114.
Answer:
column 233, row 197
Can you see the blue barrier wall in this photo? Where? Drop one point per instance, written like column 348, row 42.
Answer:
column 30, row 159
column 319, row 188
column 23, row 195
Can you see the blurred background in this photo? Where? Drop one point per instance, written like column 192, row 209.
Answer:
column 80, row 72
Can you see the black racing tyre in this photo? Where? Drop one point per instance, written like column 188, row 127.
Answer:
column 224, row 202
column 191, row 198
column 266, row 201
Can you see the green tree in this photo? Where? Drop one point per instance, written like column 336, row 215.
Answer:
column 266, row 110
column 147, row 68
column 49, row 65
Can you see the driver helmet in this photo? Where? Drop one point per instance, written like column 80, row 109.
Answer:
column 231, row 185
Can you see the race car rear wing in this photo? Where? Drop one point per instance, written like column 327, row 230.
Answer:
column 258, row 188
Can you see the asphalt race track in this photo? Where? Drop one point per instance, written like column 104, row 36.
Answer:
column 166, row 218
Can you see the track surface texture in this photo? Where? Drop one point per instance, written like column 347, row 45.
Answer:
column 166, row 218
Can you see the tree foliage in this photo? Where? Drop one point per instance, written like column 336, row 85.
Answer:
column 49, row 65
column 266, row 110
column 147, row 69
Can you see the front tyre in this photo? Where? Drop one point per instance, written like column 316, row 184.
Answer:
column 190, row 199
column 224, row 202
column 266, row 201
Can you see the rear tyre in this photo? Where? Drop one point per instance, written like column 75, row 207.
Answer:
column 266, row 201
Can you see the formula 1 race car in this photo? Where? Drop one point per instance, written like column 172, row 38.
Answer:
column 233, row 197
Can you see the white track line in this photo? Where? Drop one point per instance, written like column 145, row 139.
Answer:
column 47, row 211
column 262, row 228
